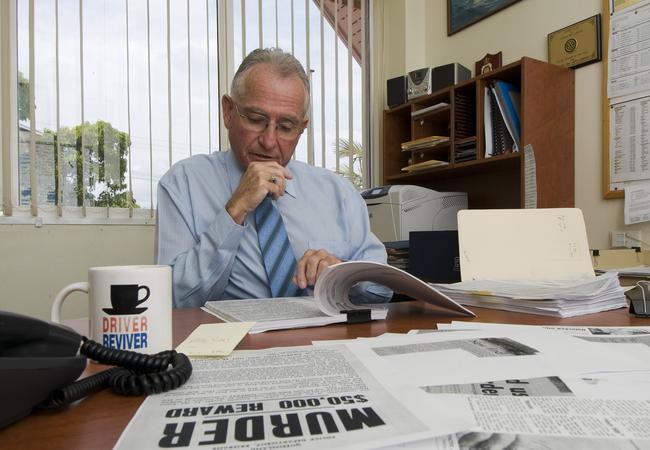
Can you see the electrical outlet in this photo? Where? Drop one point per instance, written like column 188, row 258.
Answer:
column 617, row 239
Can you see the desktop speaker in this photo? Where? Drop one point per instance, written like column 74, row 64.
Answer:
column 396, row 91
column 449, row 74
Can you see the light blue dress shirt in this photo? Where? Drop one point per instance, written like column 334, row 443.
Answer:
column 214, row 258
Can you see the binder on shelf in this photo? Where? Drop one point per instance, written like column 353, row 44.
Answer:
column 502, row 140
column 509, row 99
column 487, row 123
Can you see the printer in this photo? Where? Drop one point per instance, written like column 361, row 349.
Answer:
column 397, row 210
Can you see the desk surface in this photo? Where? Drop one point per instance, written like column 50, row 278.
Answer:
column 97, row 421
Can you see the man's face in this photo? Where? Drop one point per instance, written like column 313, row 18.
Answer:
column 268, row 99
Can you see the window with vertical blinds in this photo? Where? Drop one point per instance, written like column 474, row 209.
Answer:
column 108, row 94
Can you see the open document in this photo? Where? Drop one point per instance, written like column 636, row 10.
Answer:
column 331, row 303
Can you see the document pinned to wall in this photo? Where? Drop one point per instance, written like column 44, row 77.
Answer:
column 626, row 144
column 629, row 54
column 637, row 203
column 629, row 140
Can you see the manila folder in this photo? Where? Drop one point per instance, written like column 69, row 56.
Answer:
column 523, row 244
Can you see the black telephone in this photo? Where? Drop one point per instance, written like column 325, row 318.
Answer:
column 39, row 361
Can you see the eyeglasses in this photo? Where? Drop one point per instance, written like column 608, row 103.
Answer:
column 258, row 123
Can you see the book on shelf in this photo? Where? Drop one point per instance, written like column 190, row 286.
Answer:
column 422, row 143
column 424, row 165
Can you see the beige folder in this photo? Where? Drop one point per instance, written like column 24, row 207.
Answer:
column 523, row 244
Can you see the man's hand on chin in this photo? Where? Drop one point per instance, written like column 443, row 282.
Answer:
column 259, row 180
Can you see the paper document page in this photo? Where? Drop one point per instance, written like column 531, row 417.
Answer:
column 480, row 356
column 299, row 397
column 530, row 178
column 281, row 313
column 265, row 309
column 523, row 244
column 333, row 285
column 637, row 202
column 629, row 130
column 629, row 54
column 214, row 339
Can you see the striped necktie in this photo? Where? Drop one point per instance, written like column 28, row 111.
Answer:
column 279, row 261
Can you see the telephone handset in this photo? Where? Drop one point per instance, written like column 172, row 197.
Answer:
column 39, row 361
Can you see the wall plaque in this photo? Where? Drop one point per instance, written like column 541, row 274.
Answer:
column 576, row 45
column 487, row 64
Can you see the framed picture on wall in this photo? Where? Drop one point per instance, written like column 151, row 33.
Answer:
column 463, row 13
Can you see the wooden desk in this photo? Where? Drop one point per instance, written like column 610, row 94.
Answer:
column 97, row 421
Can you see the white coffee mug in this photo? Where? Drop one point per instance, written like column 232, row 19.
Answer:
column 130, row 307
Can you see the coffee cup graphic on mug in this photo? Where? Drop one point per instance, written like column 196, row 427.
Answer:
column 130, row 307
column 124, row 299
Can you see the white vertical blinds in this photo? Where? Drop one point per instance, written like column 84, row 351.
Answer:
column 96, row 148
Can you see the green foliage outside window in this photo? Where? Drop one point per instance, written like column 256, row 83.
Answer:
column 102, row 143
column 345, row 149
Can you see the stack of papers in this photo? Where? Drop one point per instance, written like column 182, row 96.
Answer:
column 426, row 142
column 424, row 165
column 562, row 298
column 530, row 260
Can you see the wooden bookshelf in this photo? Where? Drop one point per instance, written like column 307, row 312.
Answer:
column 547, row 123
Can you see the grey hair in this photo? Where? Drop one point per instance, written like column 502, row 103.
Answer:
column 284, row 64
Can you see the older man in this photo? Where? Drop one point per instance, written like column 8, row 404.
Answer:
column 218, row 224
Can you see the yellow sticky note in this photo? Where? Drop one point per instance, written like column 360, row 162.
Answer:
column 214, row 339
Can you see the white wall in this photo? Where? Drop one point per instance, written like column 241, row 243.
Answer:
column 38, row 262
column 519, row 30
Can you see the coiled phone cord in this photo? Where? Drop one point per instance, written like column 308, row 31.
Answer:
column 138, row 374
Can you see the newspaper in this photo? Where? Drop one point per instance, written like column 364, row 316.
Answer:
column 299, row 397
column 482, row 356
column 557, row 407
column 596, row 332
column 330, row 303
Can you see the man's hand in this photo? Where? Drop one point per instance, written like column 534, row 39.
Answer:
column 311, row 265
column 260, row 179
